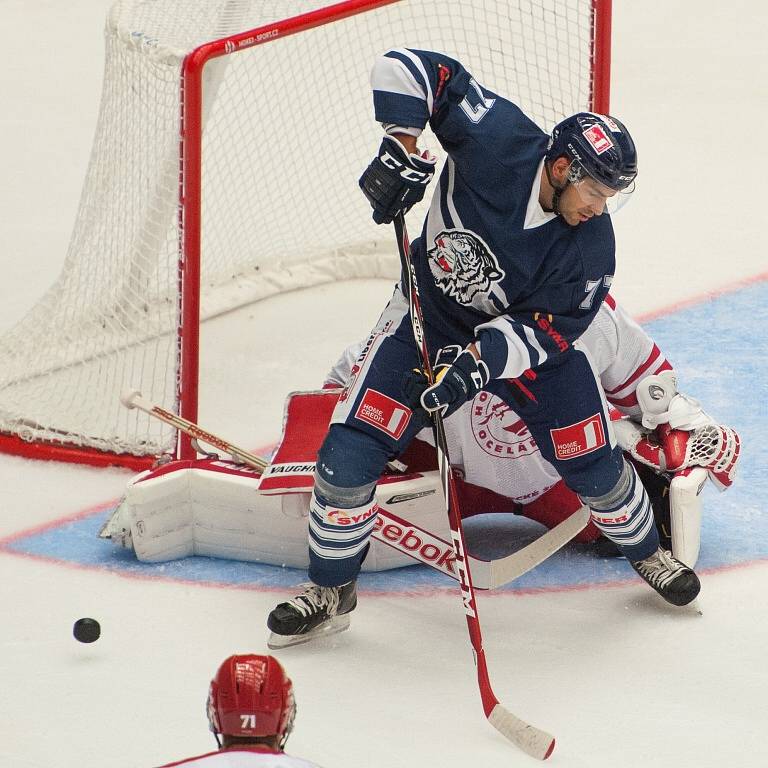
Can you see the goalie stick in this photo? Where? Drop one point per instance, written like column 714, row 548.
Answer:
column 134, row 399
column 531, row 740
column 489, row 574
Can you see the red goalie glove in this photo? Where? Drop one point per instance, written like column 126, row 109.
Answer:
column 712, row 446
column 679, row 434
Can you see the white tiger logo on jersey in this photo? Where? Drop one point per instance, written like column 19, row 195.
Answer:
column 465, row 269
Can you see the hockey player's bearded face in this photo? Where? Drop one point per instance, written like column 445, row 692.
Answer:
column 581, row 201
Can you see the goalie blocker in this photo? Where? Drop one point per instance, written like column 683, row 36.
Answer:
column 217, row 508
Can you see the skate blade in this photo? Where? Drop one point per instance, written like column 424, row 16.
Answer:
column 334, row 626
column 695, row 607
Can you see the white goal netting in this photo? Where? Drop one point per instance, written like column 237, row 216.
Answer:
column 287, row 129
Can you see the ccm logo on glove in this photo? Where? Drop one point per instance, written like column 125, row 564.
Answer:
column 395, row 180
column 456, row 384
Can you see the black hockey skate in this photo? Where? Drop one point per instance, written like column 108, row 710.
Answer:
column 317, row 611
column 673, row 580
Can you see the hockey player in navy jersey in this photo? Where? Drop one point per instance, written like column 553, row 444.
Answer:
column 251, row 709
column 673, row 442
column 515, row 257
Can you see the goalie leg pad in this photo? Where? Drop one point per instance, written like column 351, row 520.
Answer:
column 685, row 514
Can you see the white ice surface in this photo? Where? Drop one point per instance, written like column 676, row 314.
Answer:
column 620, row 679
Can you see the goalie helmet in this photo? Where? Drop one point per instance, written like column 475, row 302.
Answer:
column 251, row 696
column 598, row 146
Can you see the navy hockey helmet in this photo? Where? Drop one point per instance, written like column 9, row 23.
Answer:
column 598, row 145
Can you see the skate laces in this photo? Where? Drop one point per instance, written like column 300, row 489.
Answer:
column 315, row 598
column 660, row 568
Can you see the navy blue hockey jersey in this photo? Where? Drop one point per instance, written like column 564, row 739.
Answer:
column 491, row 263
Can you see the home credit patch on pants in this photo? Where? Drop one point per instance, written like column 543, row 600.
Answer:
column 384, row 413
column 577, row 439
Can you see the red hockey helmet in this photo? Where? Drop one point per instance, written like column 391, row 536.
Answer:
column 251, row 696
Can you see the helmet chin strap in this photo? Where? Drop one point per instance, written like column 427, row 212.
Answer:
column 558, row 191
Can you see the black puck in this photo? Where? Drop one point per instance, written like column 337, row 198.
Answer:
column 87, row 630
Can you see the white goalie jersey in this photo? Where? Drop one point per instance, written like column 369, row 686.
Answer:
column 491, row 446
column 218, row 508
column 243, row 758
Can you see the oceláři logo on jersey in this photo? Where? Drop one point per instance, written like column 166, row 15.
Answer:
column 499, row 431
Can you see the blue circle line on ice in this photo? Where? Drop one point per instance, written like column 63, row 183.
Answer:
column 717, row 349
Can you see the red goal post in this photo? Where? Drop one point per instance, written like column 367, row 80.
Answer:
column 188, row 165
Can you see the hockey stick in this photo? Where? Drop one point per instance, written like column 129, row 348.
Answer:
column 441, row 562
column 486, row 574
column 531, row 740
column 133, row 399
column 513, row 566
column 490, row 574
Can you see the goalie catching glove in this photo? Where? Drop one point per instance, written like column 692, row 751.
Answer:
column 677, row 434
column 680, row 441
column 459, row 376
column 395, row 180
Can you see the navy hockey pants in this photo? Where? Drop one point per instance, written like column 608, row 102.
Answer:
column 561, row 403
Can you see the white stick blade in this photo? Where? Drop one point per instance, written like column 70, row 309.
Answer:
column 515, row 565
column 128, row 398
column 532, row 741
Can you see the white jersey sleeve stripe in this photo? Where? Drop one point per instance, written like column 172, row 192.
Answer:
column 519, row 357
column 624, row 353
column 391, row 75
column 624, row 395
column 449, row 197
column 531, row 337
column 416, row 63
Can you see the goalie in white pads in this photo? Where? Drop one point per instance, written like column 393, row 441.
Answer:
column 514, row 260
column 251, row 710
column 217, row 508
column 673, row 442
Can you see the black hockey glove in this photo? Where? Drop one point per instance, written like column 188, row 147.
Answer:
column 395, row 181
column 415, row 381
column 458, row 383
column 459, row 377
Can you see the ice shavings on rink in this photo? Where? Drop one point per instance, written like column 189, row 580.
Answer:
column 734, row 527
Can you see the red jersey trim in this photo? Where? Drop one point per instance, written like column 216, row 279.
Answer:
column 527, row 392
column 624, row 402
column 189, row 759
column 631, row 399
column 651, row 359
column 260, row 748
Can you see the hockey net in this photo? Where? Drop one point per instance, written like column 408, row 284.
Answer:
column 239, row 179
